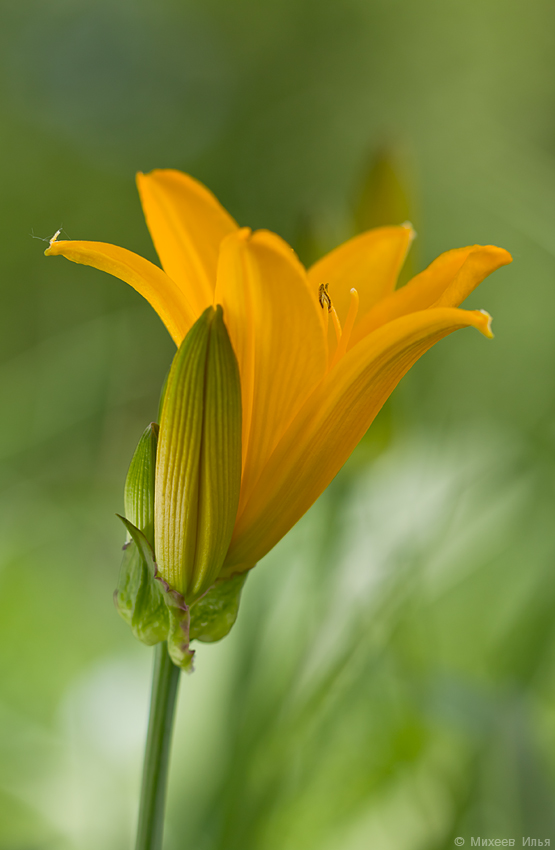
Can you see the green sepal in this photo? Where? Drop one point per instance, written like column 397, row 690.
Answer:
column 213, row 616
column 156, row 611
column 153, row 609
column 139, row 596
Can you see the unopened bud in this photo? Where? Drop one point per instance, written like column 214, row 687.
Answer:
column 139, row 485
column 139, row 598
column 198, row 466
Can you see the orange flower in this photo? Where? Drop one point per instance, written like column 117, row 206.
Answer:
column 319, row 351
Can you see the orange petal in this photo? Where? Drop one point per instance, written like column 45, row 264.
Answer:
column 445, row 283
column 332, row 422
column 153, row 284
column 187, row 224
column 276, row 331
column 369, row 263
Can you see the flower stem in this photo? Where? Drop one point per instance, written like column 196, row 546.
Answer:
column 155, row 771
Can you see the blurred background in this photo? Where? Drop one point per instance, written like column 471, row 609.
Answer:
column 390, row 682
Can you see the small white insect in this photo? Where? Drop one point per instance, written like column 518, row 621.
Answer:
column 55, row 237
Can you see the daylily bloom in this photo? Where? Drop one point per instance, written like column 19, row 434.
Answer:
column 319, row 351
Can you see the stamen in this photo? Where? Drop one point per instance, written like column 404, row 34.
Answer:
column 326, row 305
column 326, row 323
column 324, row 296
column 325, row 301
column 336, row 324
column 343, row 342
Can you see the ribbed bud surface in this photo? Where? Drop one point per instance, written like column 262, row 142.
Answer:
column 198, row 467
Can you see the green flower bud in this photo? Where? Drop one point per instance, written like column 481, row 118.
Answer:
column 138, row 495
column 198, row 465
column 139, row 598
column 182, row 489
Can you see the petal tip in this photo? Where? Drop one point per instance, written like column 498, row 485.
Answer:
column 412, row 232
column 494, row 257
column 51, row 251
column 485, row 324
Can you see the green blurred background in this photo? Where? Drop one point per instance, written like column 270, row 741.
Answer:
column 391, row 680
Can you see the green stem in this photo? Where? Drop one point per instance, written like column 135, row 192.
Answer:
column 157, row 754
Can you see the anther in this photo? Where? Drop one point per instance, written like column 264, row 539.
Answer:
column 325, row 301
column 324, row 297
